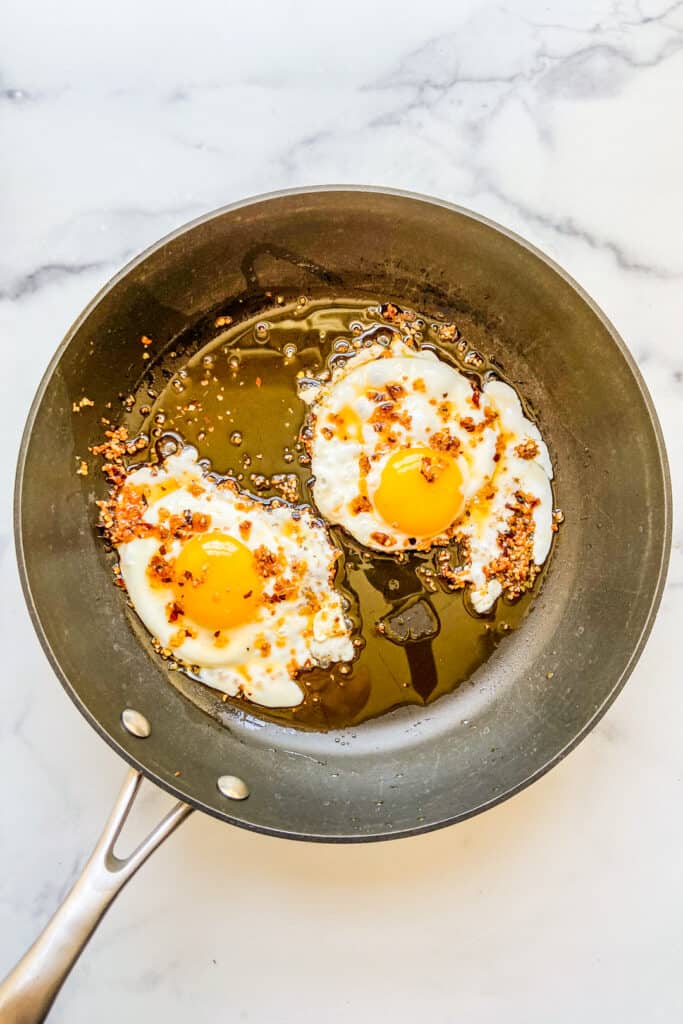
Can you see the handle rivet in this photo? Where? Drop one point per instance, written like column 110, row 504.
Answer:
column 232, row 787
column 135, row 723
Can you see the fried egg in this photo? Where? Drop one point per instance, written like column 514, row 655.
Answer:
column 240, row 590
column 408, row 453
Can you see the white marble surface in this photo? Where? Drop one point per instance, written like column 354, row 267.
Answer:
column 561, row 120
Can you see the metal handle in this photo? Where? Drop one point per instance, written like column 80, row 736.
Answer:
column 28, row 992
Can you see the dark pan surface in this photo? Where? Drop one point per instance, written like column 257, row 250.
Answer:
column 545, row 686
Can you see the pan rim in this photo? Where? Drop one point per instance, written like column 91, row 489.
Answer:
column 638, row 646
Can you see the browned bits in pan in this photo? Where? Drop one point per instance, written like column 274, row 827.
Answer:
column 267, row 562
column 383, row 539
column 443, row 441
column 514, row 568
column 448, row 332
column 360, row 504
column 528, row 449
column 82, row 403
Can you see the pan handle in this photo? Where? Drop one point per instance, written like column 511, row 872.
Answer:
column 28, row 992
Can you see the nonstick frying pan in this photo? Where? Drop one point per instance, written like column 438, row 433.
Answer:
column 417, row 768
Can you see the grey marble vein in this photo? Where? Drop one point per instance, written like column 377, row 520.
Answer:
column 45, row 275
column 568, row 228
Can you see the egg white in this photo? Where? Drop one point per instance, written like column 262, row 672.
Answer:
column 512, row 474
column 335, row 460
column 294, row 635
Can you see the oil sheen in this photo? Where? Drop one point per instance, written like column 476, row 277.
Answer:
column 235, row 399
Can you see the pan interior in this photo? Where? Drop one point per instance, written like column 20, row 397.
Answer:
column 539, row 691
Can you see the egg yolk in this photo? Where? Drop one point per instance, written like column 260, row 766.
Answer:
column 216, row 582
column 420, row 492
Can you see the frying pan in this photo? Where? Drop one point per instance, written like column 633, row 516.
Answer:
column 417, row 768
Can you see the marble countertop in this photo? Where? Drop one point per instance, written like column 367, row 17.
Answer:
column 560, row 120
